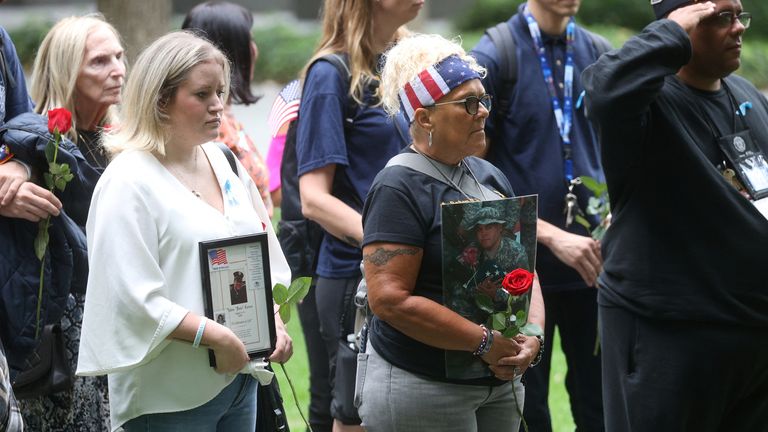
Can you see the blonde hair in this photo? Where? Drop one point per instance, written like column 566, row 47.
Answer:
column 348, row 28
column 58, row 63
column 409, row 57
column 159, row 71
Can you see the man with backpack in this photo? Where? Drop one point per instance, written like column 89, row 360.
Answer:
column 540, row 138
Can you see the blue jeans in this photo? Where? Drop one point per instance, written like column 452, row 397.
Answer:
column 234, row 409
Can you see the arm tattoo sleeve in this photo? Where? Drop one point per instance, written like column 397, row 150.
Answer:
column 382, row 256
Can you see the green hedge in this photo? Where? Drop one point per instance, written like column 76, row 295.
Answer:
column 633, row 14
column 283, row 52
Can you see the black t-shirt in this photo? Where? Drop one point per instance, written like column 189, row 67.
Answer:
column 684, row 244
column 403, row 206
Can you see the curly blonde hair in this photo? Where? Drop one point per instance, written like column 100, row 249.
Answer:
column 409, row 57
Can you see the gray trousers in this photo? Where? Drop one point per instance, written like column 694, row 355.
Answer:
column 390, row 399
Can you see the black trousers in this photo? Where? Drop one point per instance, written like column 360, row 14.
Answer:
column 336, row 310
column 574, row 313
column 319, row 385
column 681, row 376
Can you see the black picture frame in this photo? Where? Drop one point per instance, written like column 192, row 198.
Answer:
column 237, row 290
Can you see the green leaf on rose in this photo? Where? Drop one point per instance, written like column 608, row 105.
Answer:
column 520, row 316
column 48, row 178
column 510, row 332
column 50, row 151
column 499, row 321
column 597, row 188
column 41, row 241
column 484, row 302
column 582, row 221
column 299, row 289
column 60, row 183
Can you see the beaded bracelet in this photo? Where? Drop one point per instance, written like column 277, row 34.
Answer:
column 485, row 343
column 199, row 334
column 536, row 360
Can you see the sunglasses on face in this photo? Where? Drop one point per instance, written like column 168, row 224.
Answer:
column 471, row 103
column 727, row 18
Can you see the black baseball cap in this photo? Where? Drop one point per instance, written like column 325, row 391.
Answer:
column 662, row 7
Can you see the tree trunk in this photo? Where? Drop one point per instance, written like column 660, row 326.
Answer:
column 139, row 22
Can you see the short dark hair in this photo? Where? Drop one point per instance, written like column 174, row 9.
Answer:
column 228, row 26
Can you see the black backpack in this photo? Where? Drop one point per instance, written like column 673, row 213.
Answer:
column 299, row 237
column 504, row 41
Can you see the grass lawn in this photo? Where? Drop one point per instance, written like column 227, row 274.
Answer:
column 298, row 370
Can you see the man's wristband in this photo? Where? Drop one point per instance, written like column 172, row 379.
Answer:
column 536, row 360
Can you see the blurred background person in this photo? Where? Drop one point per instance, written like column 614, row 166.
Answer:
column 541, row 139
column 228, row 26
column 80, row 67
column 339, row 151
column 406, row 385
column 166, row 190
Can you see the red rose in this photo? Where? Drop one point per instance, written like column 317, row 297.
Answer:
column 517, row 282
column 469, row 256
column 59, row 119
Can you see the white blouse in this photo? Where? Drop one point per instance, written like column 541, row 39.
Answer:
column 143, row 232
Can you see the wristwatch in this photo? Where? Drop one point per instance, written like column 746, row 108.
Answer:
column 536, row 360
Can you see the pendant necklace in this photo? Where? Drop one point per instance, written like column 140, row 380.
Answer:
column 436, row 165
column 183, row 179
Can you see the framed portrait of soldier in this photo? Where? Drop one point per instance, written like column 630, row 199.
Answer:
column 237, row 290
column 484, row 242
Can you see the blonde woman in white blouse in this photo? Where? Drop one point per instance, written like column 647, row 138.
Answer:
column 164, row 192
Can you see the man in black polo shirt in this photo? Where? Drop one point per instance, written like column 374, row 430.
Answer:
column 684, row 293
column 541, row 143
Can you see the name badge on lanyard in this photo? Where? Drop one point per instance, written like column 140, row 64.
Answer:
column 748, row 162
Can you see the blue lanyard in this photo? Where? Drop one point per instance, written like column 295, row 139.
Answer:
column 564, row 115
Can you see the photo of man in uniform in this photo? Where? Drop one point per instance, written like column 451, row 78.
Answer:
column 237, row 291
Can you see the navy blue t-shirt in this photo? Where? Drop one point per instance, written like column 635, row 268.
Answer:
column 527, row 147
column 13, row 100
column 403, row 207
column 359, row 150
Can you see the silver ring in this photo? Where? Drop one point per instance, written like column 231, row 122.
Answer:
column 516, row 370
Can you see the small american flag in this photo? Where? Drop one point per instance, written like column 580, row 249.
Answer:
column 285, row 108
column 217, row 256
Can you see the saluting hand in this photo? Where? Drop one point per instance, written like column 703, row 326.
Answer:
column 690, row 16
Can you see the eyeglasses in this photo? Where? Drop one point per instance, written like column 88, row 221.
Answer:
column 471, row 103
column 727, row 18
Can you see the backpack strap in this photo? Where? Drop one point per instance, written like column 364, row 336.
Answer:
column 419, row 163
column 229, row 155
column 502, row 39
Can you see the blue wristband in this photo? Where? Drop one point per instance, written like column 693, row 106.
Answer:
column 199, row 335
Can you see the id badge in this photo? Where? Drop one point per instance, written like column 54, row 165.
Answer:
column 748, row 161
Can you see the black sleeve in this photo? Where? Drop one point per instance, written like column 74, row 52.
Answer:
column 391, row 216
column 622, row 84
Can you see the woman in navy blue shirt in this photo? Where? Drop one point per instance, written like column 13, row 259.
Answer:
column 344, row 139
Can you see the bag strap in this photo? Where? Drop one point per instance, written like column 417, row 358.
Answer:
column 229, row 155
column 502, row 39
column 418, row 163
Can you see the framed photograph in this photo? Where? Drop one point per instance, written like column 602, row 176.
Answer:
column 237, row 290
column 483, row 241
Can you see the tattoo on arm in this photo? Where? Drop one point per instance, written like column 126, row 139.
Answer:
column 382, row 256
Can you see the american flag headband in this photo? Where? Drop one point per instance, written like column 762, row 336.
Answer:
column 434, row 82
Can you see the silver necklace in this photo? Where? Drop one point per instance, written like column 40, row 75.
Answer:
column 183, row 179
column 436, row 165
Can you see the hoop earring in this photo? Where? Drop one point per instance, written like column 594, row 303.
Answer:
column 429, row 140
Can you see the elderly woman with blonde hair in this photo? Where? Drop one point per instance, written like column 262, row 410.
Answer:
column 167, row 189
column 79, row 66
column 405, row 385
